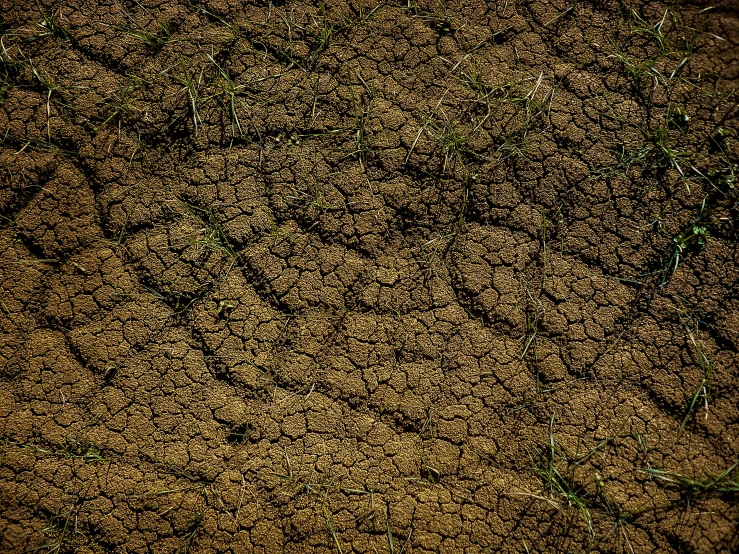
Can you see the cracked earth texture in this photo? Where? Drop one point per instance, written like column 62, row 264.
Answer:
column 355, row 277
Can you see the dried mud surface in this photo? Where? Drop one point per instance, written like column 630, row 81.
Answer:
column 344, row 277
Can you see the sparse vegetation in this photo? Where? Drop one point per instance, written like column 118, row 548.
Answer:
column 122, row 103
column 669, row 41
column 316, row 276
column 73, row 448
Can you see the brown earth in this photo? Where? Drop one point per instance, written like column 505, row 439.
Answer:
column 399, row 277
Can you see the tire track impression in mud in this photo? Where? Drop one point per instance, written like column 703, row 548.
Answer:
column 425, row 276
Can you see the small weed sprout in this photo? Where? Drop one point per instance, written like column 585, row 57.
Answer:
column 58, row 534
column 719, row 140
column 312, row 196
column 330, row 523
column 678, row 117
column 534, row 106
column 439, row 18
column 534, row 313
column 531, row 106
column 672, row 46
column 389, row 531
column 722, row 179
column 639, row 69
column 121, row 101
column 658, row 149
column 695, row 234
column 361, row 136
column 663, row 152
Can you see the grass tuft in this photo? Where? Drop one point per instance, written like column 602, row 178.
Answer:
column 190, row 533
column 226, row 94
column 157, row 39
column 725, row 482
column 50, row 24
column 564, row 494
column 452, row 141
column 704, row 386
column 695, row 234
column 212, row 235
column 191, row 86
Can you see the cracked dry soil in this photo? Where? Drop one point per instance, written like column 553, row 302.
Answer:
column 412, row 277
